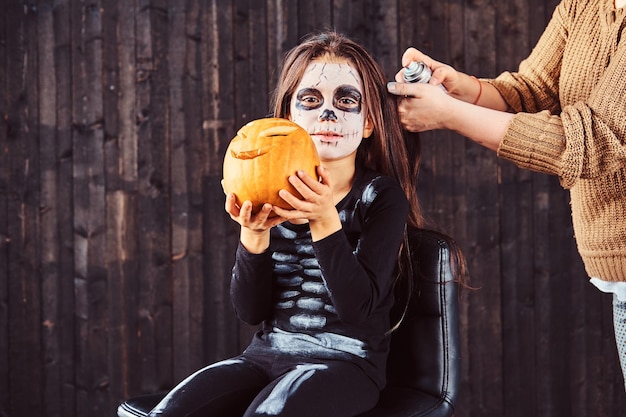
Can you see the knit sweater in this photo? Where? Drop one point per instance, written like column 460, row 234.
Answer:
column 570, row 100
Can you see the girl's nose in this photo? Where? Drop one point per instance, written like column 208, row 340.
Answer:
column 328, row 116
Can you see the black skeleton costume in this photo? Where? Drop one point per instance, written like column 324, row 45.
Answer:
column 324, row 308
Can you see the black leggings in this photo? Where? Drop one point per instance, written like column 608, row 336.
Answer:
column 283, row 387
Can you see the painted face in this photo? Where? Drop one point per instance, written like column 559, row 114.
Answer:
column 328, row 104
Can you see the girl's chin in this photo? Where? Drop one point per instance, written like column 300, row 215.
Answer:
column 326, row 156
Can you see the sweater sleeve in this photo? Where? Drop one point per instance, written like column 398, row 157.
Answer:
column 583, row 139
column 358, row 281
column 535, row 86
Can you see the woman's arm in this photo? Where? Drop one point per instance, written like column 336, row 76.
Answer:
column 571, row 96
column 532, row 89
column 583, row 139
column 429, row 108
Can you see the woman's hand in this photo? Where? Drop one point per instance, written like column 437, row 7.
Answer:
column 255, row 228
column 423, row 107
column 317, row 204
column 441, row 73
column 457, row 84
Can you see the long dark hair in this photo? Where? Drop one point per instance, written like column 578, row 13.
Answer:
column 389, row 150
column 385, row 151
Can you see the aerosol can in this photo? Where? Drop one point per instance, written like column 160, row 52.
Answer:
column 417, row 72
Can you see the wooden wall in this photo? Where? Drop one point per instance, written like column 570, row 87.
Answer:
column 115, row 249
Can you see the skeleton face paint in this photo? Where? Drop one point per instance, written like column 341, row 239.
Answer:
column 328, row 105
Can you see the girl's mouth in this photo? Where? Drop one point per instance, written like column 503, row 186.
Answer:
column 327, row 136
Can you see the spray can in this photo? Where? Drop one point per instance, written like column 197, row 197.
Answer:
column 417, row 72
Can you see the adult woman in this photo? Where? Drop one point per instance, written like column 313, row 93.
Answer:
column 562, row 113
column 321, row 283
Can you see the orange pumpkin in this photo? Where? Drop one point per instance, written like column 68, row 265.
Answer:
column 262, row 156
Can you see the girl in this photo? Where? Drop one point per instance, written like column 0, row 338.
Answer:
column 318, row 277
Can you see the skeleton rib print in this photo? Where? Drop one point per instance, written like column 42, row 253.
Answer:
column 303, row 311
column 299, row 285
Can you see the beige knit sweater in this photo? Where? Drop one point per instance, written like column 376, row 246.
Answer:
column 571, row 97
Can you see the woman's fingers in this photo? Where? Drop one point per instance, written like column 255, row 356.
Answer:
column 412, row 54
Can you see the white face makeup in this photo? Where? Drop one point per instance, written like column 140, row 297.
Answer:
column 328, row 105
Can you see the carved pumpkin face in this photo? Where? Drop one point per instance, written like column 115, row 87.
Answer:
column 262, row 156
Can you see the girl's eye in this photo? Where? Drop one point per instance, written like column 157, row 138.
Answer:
column 308, row 99
column 348, row 102
column 348, row 98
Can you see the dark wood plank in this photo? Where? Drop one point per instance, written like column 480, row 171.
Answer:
column 224, row 335
column 251, row 65
column 384, row 44
column 188, row 151
column 441, row 185
column 89, row 210
column 541, row 260
column 184, row 37
column 579, row 331
column 161, row 162
column 122, row 269
column 4, row 214
column 314, row 16
column 562, row 304
column 154, row 141
column 65, row 202
column 516, row 208
column 483, row 231
column 196, row 152
column 356, row 19
column 121, row 42
column 120, row 148
column 24, row 334
column 588, row 344
column 49, row 186
column 241, row 62
column 258, row 64
column 282, row 35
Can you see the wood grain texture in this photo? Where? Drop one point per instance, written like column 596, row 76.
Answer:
column 5, row 191
column 115, row 250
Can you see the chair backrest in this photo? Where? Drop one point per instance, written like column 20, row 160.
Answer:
column 424, row 361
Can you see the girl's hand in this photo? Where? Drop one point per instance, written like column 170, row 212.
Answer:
column 255, row 228
column 317, row 204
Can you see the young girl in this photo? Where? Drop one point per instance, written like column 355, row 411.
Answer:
column 319, row 277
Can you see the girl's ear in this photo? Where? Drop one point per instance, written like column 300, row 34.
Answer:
column 368, row 128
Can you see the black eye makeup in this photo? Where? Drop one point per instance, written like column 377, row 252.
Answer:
column 309, row 99
column 347, row 98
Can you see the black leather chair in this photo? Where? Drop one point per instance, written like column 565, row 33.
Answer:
column 424, row 362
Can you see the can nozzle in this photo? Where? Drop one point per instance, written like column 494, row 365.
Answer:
column 416, row 72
